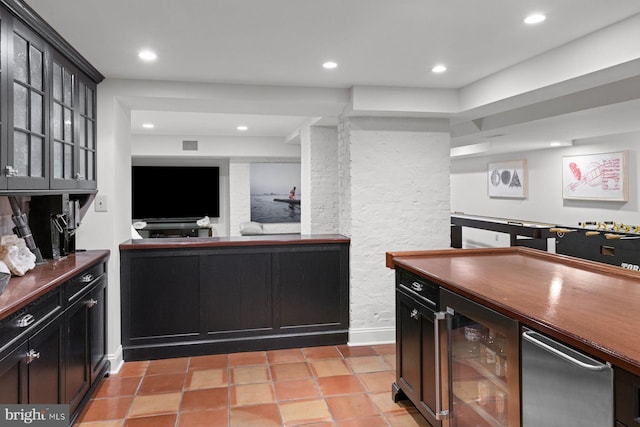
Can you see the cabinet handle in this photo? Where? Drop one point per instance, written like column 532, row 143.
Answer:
column 26, row 320
column 90, row 303
column 87, row 278
column 414, row 314
column 10, row 171
column 32, row 355
column 417, row 286
column 442, row 409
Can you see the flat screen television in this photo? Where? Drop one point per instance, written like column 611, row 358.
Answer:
column 175, row 193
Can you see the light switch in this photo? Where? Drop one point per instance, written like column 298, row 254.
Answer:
column 101, row 203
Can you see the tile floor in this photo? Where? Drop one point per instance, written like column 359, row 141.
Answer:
column 338, row 386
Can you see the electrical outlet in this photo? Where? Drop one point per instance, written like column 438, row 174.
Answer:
column 101, row 203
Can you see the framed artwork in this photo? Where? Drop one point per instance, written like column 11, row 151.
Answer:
column 601, row 176
column 507, row 179
column 275, row 192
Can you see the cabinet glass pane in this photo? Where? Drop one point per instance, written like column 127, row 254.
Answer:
column 20, row 106
column 20, row 63
column 90, row 111
column 68, row 88
column 36, row 112
column 68, row 161
column 81, row 97
column 91, row 173
column 90, row 140
column 58, row 159
column 37, row 159
column 82, row 166
column 68, row 125
column 35, row 68
column 20, row 153
column 57, row 121
column 81, row 133
column 57, row 82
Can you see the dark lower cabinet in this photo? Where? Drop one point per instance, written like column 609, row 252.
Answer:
column 181, row 301
column 627, row 398
column 14, row 376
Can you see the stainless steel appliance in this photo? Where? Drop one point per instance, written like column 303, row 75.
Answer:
column 563, row 387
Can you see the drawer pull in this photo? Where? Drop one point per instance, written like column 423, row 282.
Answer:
column 32, row 355
column 90, row 303
column 87, row 278
column 26, row 320
column 414, row 314
column 417, row 286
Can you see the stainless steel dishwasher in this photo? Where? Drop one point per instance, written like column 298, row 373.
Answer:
column 562, row 387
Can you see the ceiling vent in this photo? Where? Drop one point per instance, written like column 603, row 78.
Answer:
column 189, row 145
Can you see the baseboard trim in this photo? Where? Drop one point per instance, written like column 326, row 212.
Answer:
column 372, row 336
column 116, row 360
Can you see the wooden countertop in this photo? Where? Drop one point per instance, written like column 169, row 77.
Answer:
column 589, row 305
column 22, row 290
column 260, row 240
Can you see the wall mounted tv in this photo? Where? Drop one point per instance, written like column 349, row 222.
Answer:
column 175, row 193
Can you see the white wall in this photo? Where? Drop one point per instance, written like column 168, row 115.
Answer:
column 544, row 202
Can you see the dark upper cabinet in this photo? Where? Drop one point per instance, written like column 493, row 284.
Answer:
column 47, row 107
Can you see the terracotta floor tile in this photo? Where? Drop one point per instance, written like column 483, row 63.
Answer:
column 357, row 351
column 207, row 378
column 329, row 367
column 290, row 371
column 132, row 369
column 368, row 364
column 285, row 356
column 413, row 419
column 118, row 387
column 155, row 421
column 340, row 384
column 152, row 384
column 385, row 348
column 168, row 366
column 213, row 361
column 113, row 408
column 255, row 416
column 375, row 382
column 214, row 418
column 326, row 352
column 155, row 404
column 351, row 406
column 209, row 398
column 302, row 412
column 376, row 421
column 250, row 374
column 391, row 361
column 249, row 394
column 248, row 358
column 110, row 423
column 386, row 405
column 296, row 389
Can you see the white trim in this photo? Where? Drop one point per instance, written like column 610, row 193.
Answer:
column 116, row 360
column 372, row 336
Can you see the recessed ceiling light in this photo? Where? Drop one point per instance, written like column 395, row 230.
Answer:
column 329, row 65
column 534, row 18
column 439, row 69
column 147, row 55
column 148, row 125
column 242, row 128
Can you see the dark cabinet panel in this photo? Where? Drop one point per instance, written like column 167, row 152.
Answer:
column 44, row 360
column 76, row 373
column 627, row 398
column 97, row 307
column 13, row 376
column 237, row 292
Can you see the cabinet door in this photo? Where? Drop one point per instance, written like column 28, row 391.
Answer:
column 13, row 376
column 237, row 294
column 97, row 307
column 76, row 371
column 4, row 34
column 86, row 150
column 44, row 363
column 28, row 155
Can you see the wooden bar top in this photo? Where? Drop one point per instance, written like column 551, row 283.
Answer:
column 22, row 290
column 259, row 240
column 589, row 305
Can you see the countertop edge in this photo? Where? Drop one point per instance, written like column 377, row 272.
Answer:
column 212, row 242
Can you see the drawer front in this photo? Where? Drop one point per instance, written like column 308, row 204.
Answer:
column 27, row 319
column 75, row 287
column 421, row 288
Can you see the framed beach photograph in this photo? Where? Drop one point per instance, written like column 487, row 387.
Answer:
column 602, row 176
column 507, row 179
column 275, row 192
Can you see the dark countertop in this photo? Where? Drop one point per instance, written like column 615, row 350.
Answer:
column 259, row 240
column 22, row 290
column 589, row 305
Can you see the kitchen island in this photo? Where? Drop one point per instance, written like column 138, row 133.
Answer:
column 194, row 296
column 588, row 306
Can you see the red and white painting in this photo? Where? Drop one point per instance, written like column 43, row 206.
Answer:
column 595, row 177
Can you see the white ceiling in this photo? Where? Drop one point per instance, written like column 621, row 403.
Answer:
column 284, row 43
